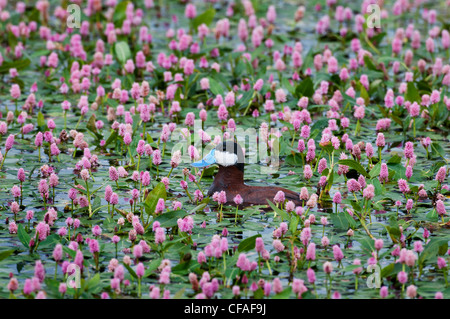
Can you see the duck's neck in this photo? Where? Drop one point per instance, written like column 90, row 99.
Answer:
column 226, row 178
column 229, row 175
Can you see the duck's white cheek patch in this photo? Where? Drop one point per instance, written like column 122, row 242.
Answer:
column 225, row 158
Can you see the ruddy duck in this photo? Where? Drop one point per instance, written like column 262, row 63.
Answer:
column 230, row 177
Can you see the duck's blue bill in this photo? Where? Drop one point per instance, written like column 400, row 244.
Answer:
column 207, row 160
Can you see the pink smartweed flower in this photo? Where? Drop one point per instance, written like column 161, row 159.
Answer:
column 220, row 197
column 327, row 267
column 337, row 198
column 369, row 192
column 353, row 185
column 9, row 142
column 440, row 208
column 411, row 291
column 311, row 275
column 441, row 174
column 384, row 292
column 238, row 199
column 380, row 140
column 160, row 206
column 409, row 150
column 337, row 252
column 160, row 236
column 384, row 173
column 307, row 172
column 403, row 185
column 279, row 197
column 402, row 277
column 311, row 252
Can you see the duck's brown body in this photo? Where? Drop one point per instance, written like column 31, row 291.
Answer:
column 231, row 180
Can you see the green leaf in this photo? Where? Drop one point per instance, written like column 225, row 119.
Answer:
column 391, row 270
column 197, row 208
column 169, row 219
column 375, row 171
column 339, row 221
column 293, row 224
column 443, row 249
column 358, row 126
column 122, row 51
column 40, row 120
column 209, row 171
column 249, row 66
column 179, row 294
column 319, row 125
column 248, row 243
column 367, row 244
column 342, row 221
column 24, row 237
column 365, row 94
column 19, row 82
column 399, row 170
column 288, row 86
column 378, row 187
column 437, row 150
column 258, row 294
column 152, row 198
column 49, row 241
column 93, row 282
column 432, row 216
column 5, row 254
column 18, row 65
column 131, row 271
column 120, row 14
column 284, row 294
column 369, row 63
column 387, row 270
column 133, row 146
column 112, row 102
column 280, row 212
column 70, row 252
column 305, row 88
column 412, row 94
column 91, row 126
column 432, row 249
column 355, row 205
column 394, row 160
column 245, row 99
column 232, row 272
column 397, row 120
column 206, row 17
column 215, row 87
column 112, row 137
column 293, row 159
column 154, row 264
column 149, row 139
column 393, row 228
column 39, row 53
column 350, row 220
column 355, row 165
column 185, row 267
